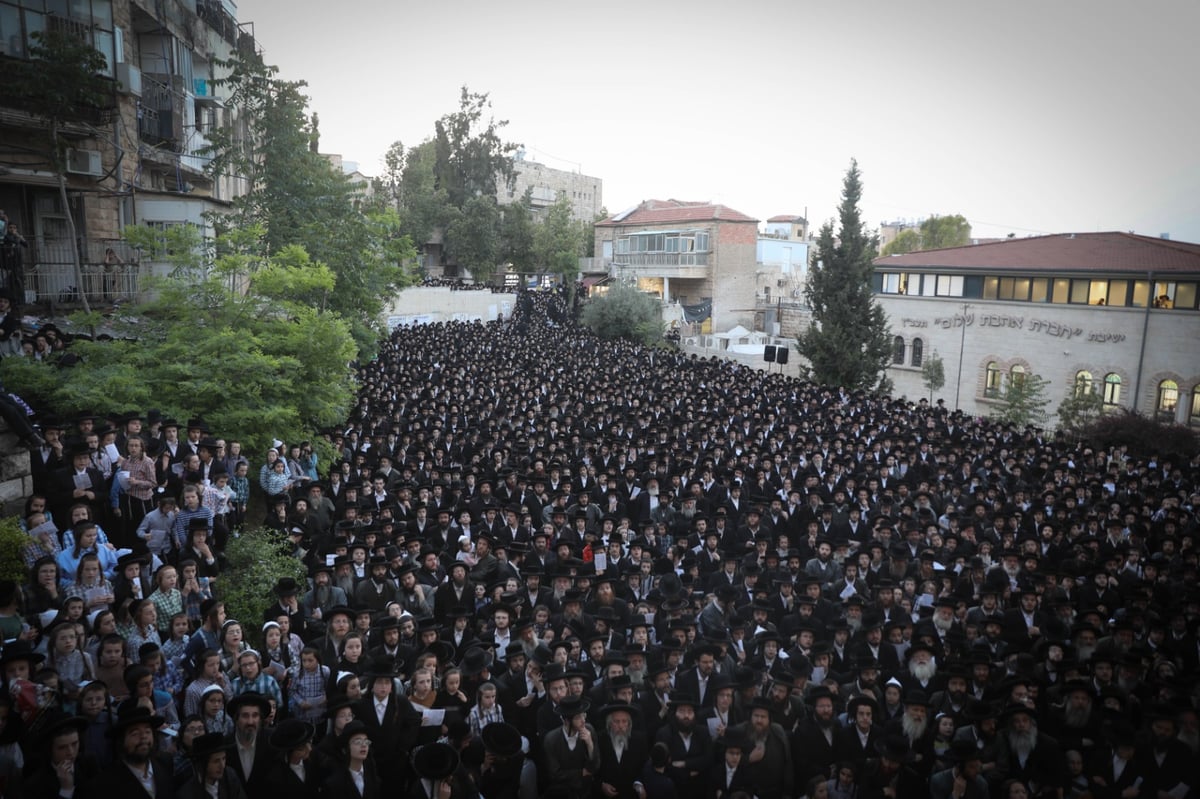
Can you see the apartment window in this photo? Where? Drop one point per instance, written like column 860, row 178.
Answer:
column 1118, row 293
column 991, row 385
column 949, row 285
column 1039, row 289
column 1062, row 291
column 891, row 283
column 1016, row 376
column 1168, row 400
column 1194, row 411
column 1141, row 293
column 898, row 350
column 991, row 288
column 918, row 351
column 1098, row 293
column 1080, row 291
column 1164, row 295
column 928, row 285
column 1083, row 383
column 1014, row 288
column 1185, row 295
column 1112, row 390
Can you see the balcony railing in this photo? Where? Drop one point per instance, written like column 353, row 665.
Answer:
column 662, row 259
column 111, row 271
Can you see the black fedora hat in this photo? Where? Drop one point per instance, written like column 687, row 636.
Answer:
column 56, row 723
column 895, row 748
column 572, row 706
column 130, row 714
column 252, row 698
column 209, row 744
column 475, row 660
column 20, row 650
column 501, row 739
column 291, row 734
column 435, row 761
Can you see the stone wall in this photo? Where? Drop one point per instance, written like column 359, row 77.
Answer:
column 16, row 482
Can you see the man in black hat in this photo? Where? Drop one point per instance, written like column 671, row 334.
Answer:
column 295, row 774
column 1027, row 754
column 769, row 753
column 287, row 603
column 814, row 738
column 212, row 778
column 376, row 591
column 64, row 767
column 136, row 772
column 250, row 754
column 856, row 742
column 391, row 720
column 688, row 744
column 623, row 749
column 571, row 752
column 79, row 481
column 964, row 779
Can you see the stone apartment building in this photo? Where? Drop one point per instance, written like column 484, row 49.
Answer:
column 547, row 184
column 686, row 252
column 138, row 158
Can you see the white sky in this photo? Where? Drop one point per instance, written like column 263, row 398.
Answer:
column 1032, row 116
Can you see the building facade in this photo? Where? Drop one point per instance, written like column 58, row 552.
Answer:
column 547, row 184
column 1116, row 313
column 140, row 158
column 687, row 252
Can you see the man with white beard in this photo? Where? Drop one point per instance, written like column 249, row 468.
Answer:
column 914, row 725
column 921, row 672
column 1027, row 754
column 943, row 617
column 623, row 749
column 1078, row 724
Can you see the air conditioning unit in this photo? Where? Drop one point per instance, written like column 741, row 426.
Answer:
column 84, row 162
column 130, row 79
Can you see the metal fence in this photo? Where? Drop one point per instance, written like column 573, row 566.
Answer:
column 111, row 272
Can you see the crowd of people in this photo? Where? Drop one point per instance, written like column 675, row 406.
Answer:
column 540, row 564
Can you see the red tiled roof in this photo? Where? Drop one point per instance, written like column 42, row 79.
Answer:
column 1084, row 252
column 656, row 212
column 788, row 218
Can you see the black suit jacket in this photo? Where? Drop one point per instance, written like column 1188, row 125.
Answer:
column 621, row 775
column 118, row 781
column 258, row 783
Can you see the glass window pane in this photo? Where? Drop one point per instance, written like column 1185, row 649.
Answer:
column 34, row 23
column 1098, row 294
column 1194, row 413
column 11, row 41
column 1141, row 293
column 1185, row 295
column 991, row 288
column 80, row 10
column 1112, row 389
column 918, row 351
column 1021, row 289
column 1041, row 288
column 1062, row 291
column 1164, row 295
column 56, row 7
column 1118, row 292
column 927, row 285
column 1006, row 288
column 1079, row 291
column 104, row 43
column 102, row 13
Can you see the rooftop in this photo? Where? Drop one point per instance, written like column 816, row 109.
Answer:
column 655, row 212
column 1084, row 252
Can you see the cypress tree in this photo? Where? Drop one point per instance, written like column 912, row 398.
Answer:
column 847, row 343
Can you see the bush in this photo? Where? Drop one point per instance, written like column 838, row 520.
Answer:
column 257, row 559
column 624, row 312
column 1143, row 436
column 12, row 544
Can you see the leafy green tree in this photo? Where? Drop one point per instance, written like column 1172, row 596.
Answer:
column 62, row 84
column 1079, row 409
column 1024, row 401
column 473, row 238
column 935, row 233
column 517, row 229
column 472, row 158
column 933, row 374
column 557, row 241
column 624, row 312
column 243, row 340
column 297, row 197
column 847, row 343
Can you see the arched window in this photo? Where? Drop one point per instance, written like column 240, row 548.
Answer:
column 1112, row 390
column 1194, row 412
column 1016, row 376
column 918, row 351
column 1083, row 383
column 991, row 386
column 898, row 350
column 1168, row 400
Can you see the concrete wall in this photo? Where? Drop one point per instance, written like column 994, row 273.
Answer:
column 429, row 304
column 1053, row 341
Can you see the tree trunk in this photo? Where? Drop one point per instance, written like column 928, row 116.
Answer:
column 60, row 169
